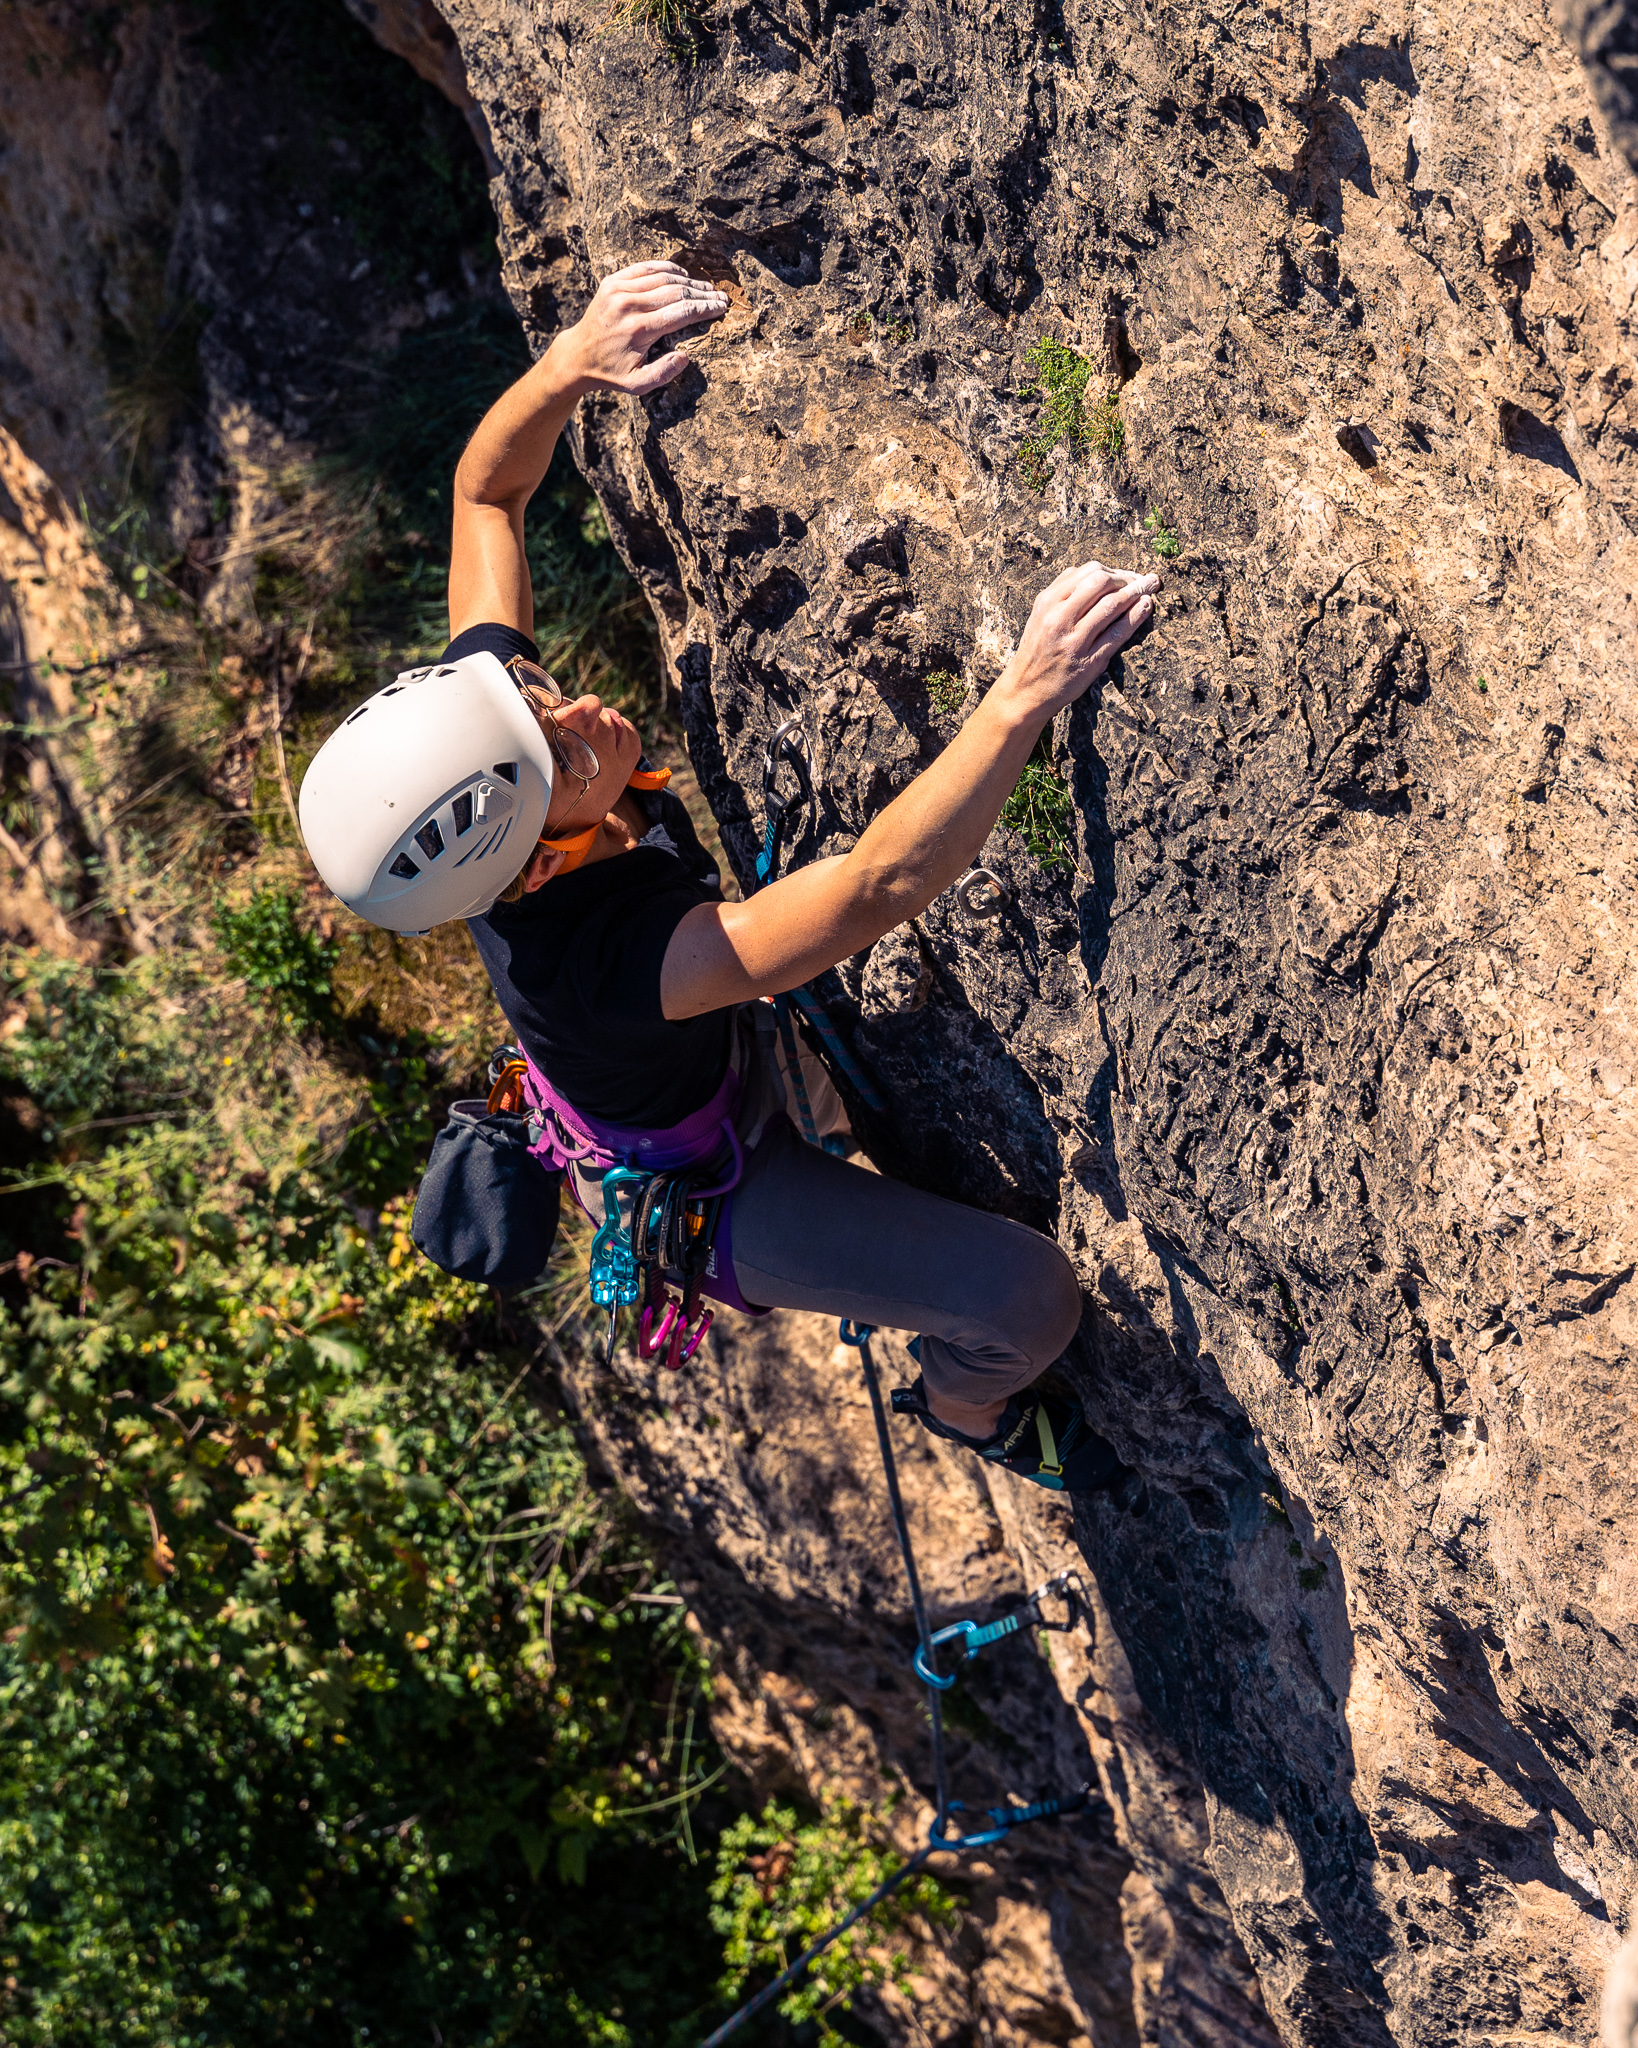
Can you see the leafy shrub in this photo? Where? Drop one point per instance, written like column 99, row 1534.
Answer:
column 387, row 1147
column 324, row 1670
column 1039, row 808
column 780, row 1885
column 279, row 958
column 1060, row 378
column 90, row 1039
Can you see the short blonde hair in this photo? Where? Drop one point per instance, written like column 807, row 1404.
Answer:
column 513, row 892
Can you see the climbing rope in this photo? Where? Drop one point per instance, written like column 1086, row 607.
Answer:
column 1002, row 1819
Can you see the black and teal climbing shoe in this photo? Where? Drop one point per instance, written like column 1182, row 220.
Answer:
column 1045, row 1438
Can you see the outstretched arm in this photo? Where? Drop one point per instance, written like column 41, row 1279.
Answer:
column 730, row 952
column 512, row 450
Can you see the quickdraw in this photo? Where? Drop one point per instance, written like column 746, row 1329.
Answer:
column 615, row 1281
column 1003, row 1819
column 789, row 744
column 655, row 1226
column 672, row 1232
column 971, row 1638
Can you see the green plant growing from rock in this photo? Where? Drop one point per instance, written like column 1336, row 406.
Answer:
column 1061, row 378
column 781, row 1884
column 946, row 694
column 671, row 24
column 1162, row 538
column 1039, row 808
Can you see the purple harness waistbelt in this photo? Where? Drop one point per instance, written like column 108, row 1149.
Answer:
column 568, row 1137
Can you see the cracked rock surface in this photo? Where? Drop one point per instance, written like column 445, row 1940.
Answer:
column 1317, row 1049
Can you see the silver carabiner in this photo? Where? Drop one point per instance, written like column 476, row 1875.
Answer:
column 981, row 893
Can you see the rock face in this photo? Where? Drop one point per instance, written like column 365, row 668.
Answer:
column 1319, row 1053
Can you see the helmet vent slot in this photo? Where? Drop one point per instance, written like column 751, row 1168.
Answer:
column 430, row 839
column 404, row 868
column 507, row 770
column 357, row 715
column 461, row 811
column 392, row 690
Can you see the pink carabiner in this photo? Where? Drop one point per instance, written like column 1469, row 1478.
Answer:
column 650, row 1341
column 693, row 1343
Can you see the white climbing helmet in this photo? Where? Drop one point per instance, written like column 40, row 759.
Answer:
column 425, row 802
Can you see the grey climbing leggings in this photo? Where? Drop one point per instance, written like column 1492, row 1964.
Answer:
column 993, row 1302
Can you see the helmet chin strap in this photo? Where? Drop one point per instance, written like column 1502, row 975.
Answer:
column 574, row 846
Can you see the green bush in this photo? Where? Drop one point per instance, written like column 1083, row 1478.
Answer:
column 946, row 693
column 1162, row 538
column 781, row 1884
column 90, row 1039
column 279, row 958
column 325, row 1673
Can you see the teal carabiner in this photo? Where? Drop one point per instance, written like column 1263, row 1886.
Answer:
column 1003, row 1819
column 1065, row 1585
column 972, row 1639
column 614, row 1278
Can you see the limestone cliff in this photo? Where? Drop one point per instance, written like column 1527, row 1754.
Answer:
column 1319, row 1057
column 1317, row 1053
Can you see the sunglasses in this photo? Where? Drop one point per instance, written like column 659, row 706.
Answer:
column 575, row 756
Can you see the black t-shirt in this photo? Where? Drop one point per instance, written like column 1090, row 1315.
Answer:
column 576, row 965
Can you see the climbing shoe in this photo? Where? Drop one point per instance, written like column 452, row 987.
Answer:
column 1044, row 1437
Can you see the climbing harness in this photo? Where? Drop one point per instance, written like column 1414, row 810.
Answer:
column 789, row 747
column 971, row 1638
column 663, row 1193
column 1002, row 1820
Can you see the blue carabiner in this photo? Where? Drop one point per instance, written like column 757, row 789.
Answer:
column 615, row 1282
column 972, row 1639
column 1004, row 1819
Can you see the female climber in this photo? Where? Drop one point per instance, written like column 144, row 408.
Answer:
column 473, row 789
